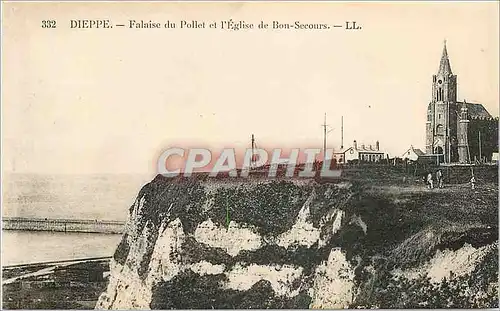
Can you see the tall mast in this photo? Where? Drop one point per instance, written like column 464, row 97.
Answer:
column 252, row 162
column 324, row 137
column 342, row 133
column 325, row 126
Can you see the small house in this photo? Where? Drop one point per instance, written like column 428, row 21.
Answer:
column 360, row 152
column 412, row 154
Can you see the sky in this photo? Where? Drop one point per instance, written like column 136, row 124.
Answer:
column 90, row 101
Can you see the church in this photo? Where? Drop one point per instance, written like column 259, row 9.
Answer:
column 457, row 131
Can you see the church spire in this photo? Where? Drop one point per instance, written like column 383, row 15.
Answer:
column 444, row 65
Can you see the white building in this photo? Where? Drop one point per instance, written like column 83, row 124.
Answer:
column 362, row 153
column 412, row 154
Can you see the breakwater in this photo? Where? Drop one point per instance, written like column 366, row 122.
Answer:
column 63, row 225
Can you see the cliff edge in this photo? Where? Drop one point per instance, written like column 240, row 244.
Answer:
column 236, row 244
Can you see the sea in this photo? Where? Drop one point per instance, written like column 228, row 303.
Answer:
column 96, row 197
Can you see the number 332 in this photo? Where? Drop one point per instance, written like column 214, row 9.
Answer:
column 49, row 24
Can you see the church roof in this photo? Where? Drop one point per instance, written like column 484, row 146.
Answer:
column 444, row 64
column 476, row 110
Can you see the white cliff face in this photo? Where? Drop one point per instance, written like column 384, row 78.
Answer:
column 233, row 239
column 226, row 262
column 281, row 277
column 302, row 232
column 460, row 262
column 165, row 260
column 337, row 222
column 126, row 290
column 204, row 267
column 133, row 217
column 359, row 222
column 334, row 283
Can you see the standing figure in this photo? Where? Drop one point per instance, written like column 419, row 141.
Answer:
column 439, row 178
column 429, row 181
column 473, row 182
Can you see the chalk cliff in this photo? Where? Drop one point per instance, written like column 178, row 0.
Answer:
column 202, row 244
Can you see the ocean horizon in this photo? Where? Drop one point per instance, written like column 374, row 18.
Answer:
column 70, row 196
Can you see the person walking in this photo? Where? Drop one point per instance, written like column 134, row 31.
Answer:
column 429, row 181
column 473, row 182
column 439, row 178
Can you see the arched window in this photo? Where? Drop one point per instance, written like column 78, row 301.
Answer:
column 439, row 129
column 439, row 94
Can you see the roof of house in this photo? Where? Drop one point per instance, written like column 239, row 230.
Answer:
column 368, row 149
column 343, row 150
column 417, row 151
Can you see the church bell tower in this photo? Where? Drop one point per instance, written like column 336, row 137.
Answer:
column 441, row 125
